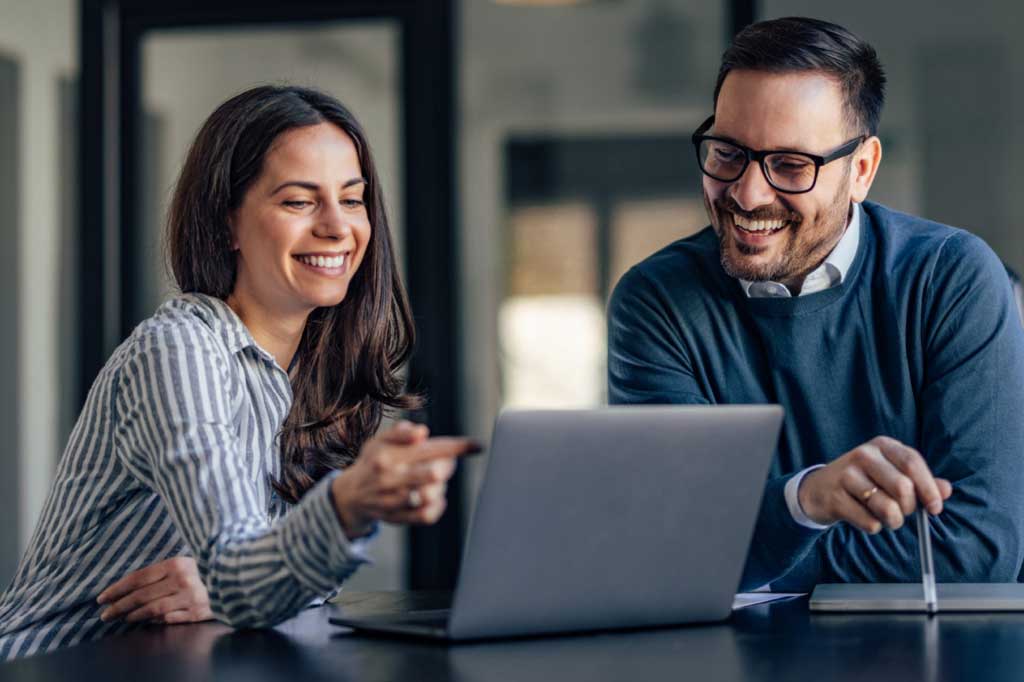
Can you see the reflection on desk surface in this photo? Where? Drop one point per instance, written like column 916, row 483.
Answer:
column 711, row 653
column 775, row 641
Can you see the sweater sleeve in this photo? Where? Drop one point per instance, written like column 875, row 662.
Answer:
column 176, row 434
column 970, row 432
column 647, row 359
column 648, row 363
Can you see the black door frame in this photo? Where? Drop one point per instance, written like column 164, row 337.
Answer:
column 110, row 117
column 740, row 13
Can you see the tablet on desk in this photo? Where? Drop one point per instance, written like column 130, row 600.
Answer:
column 909, row 597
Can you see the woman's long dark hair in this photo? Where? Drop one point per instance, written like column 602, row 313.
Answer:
column 346, row 370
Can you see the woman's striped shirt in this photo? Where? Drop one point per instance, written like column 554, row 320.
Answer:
column 172, row 455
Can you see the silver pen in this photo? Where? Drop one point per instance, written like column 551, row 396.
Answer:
column 924, row 544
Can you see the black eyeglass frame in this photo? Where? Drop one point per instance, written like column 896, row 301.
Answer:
column 698, row 138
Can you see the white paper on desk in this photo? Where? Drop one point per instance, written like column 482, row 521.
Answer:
column 745, row 599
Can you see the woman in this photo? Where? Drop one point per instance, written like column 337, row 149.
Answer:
column 240, row 398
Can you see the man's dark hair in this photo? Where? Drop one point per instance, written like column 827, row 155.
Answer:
column 802, row 44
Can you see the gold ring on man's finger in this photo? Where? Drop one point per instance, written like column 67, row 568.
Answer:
column 866, row 495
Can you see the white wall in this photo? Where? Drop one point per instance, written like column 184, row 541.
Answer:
column 43, row 36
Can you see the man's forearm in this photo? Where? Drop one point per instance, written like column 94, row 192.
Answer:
column 973, row 542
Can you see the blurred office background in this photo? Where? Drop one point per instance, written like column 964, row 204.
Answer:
column 568, row 136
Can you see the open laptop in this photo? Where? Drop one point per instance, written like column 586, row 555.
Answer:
column 619, row 517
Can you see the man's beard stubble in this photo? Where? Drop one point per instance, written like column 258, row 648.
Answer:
column 798, row 256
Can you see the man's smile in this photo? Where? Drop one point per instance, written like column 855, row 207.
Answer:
column 757, row 232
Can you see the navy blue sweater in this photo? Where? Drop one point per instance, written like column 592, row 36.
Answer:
column 920, row 342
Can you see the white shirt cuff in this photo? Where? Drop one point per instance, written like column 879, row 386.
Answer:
column 793, row 500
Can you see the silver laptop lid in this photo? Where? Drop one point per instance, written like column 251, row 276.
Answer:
column 614, row 517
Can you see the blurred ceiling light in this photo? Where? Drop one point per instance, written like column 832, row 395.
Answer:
column 542, row 3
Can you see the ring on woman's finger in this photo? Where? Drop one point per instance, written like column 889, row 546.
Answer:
column 415, row 499
column 866, row 495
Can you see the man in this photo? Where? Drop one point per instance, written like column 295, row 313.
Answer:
column 893, row 343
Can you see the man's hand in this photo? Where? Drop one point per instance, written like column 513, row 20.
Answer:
column 166, row 592
column 400, row 476
column 873, row 486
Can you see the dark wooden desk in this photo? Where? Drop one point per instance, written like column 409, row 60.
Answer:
column 781, row 641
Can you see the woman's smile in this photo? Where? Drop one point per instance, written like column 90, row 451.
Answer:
column 326, row 264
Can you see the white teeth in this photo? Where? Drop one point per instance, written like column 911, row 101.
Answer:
column 757, row 225
column 323, row 262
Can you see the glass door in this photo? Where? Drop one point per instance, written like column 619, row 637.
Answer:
column 153, row 72
column 356, row 61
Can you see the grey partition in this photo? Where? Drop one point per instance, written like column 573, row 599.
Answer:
column 968, row 137
column 67, row 305
column 10, row 195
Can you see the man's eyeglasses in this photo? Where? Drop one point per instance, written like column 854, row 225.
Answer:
column 787, row 171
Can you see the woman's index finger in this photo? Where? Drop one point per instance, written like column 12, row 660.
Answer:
column 442, row 447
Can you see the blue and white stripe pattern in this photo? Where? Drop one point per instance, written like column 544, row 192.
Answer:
column 172, row 455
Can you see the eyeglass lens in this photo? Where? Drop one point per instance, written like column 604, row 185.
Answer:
column 786, row 171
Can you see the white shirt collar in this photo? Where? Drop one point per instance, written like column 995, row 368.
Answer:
column 830, row 273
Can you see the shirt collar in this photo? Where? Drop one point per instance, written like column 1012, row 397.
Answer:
column 830, row 273
column 219, row 316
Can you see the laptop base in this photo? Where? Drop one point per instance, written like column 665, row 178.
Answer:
column 432, row 623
